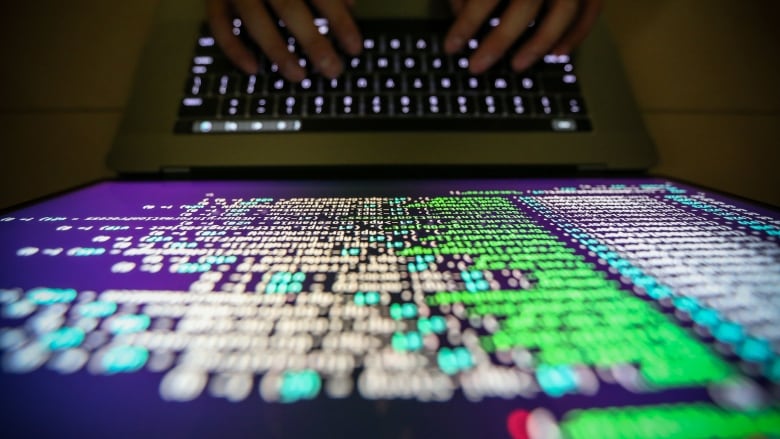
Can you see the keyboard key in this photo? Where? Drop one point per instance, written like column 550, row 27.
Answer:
column 390, row 82
column 471, row 46
column 206, row 42
column 195, row 86
column 251, row 84
column 213, row 62
column 526, row 84
column 519, row 105
column 370, row 44
column 322, row 26
column 445, row 83
column 278, row 84
column 491, row 105
column 384, row 63
column 225, row 85
column 233, row 107
column 463, row 105
column 419, row 83
column 473, row 83
column 499, row 83
column 438, row 63
column 405, row 105
column 319, row 105
column 377, row 106
column 546, row 105
column 573, row 105
column 410, row 63
column 395, row 44
column 357, row 64
column 198, row 107
column 335, row 84
column 306, row 85
column 434, row 105
column 291, row 44
column 460, row 63
column 261, row 106
column 347, row 105
column 199, row 70
column 290, row 106
column 564, row 125
column 556, row 59
column 362, row 83
column 422, row 43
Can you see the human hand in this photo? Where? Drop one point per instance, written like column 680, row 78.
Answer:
column 565, row 25
column 298, row 19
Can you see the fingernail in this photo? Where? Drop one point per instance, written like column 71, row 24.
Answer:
column 453, row 44
column 330, row 67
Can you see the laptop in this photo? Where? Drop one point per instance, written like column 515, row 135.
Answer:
column 403, row 102
column 165, row 304
column 577, row 307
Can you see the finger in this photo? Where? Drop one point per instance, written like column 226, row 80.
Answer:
column 515, row 20
column 219, row 18
column 560, row 16
column 469, row 20
column 341, row 22
column 318, row 49
column 456, row 6
column 264, row 31
column 575, row 36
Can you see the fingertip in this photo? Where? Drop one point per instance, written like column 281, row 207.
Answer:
column 561, row 50
column 479, row 63
column 249, row 65
column 293, row 72
column 522, row 62
column 452, row 44
column 240, row 57
column 353, row 44
column 330, row 66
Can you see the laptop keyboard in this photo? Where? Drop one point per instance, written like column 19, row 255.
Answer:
column 402, row 81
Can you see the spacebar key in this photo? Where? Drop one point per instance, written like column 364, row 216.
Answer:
column 198, row 107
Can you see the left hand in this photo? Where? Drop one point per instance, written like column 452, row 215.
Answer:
column 565, row 25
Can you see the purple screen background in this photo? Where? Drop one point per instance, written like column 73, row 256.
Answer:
column 47, row 403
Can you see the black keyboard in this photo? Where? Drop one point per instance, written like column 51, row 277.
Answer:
column 402, row 81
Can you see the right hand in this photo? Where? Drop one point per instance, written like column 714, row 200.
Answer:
column 299, row 20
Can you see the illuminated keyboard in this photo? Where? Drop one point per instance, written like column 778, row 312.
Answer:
column 402, row 81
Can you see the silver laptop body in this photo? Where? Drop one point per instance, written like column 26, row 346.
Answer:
column 146, row 142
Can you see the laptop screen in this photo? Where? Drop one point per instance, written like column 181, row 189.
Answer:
column 539, row 308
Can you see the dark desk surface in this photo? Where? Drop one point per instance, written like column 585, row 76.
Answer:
column 705, row 73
